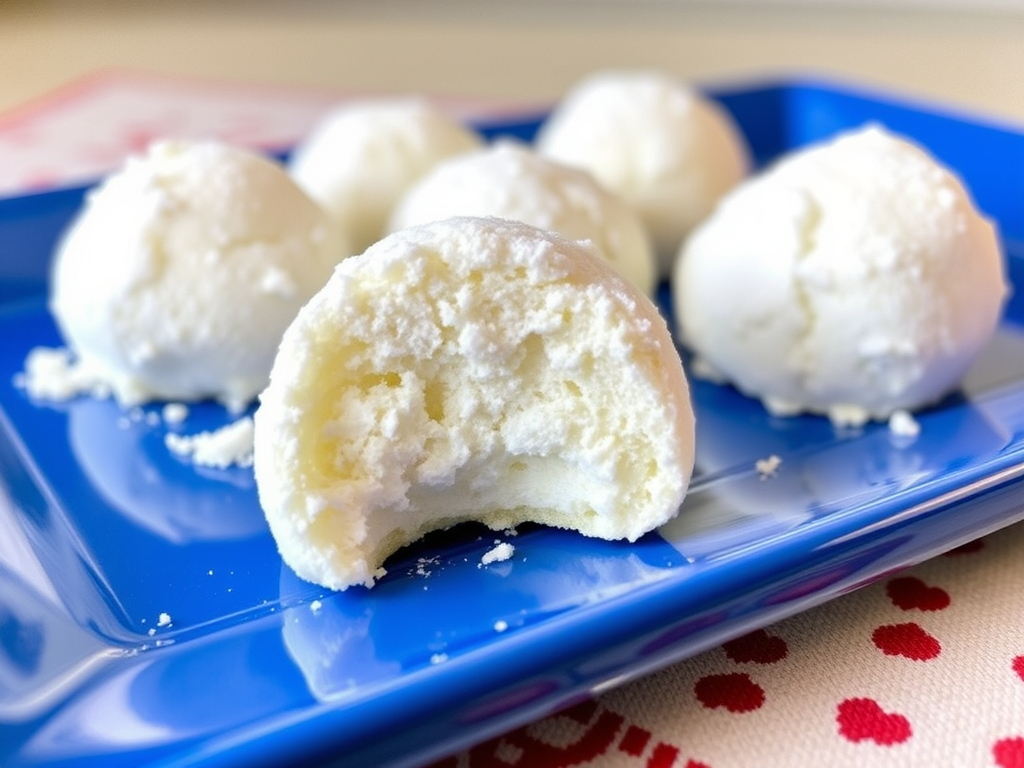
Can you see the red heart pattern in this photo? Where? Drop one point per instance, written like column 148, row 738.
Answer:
column 862, row 719
column 859, row 719
column 758, row 647
column 909, row 593
column 1018, row 666
column 634, row 741
column 1009, row 753
column 908, row 640
column 735, row 692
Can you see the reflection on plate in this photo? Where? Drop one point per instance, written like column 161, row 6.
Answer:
column 128, row 463
column 146, row 618
column 363, row 639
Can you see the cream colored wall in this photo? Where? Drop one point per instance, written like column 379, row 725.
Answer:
column 532, row 48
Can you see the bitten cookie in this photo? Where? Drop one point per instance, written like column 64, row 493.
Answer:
column 469, row 369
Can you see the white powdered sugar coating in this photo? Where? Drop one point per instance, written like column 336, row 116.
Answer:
column 183, row 269
column 512, row 181
column 658, row 143
column 853, row 279
column 361, row 158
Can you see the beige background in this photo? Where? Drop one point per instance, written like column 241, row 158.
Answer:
column 971, row 58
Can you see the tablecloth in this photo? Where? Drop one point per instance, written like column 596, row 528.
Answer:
column 925, row 667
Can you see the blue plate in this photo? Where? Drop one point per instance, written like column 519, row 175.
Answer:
column 146, row 619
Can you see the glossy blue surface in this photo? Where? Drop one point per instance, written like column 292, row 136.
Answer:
column 102, row 530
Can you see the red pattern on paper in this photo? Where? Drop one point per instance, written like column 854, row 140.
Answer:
column 758, row 647
column 634, row 741
column 735, row 692
column 40, row 179
column 862, row 719
column 522, row 748
column 1009, row 753
column 909, row 593
column 908, row 640
column 663, row 756
column 534, row 752
column 1018, row 666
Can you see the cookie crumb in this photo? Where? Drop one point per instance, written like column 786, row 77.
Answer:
column 53, row 374
column 499, row 553
column 221, row 448
column 768, row 467
column 175, row 413
column 902, row 424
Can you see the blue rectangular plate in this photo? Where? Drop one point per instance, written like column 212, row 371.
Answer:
column 102, row 531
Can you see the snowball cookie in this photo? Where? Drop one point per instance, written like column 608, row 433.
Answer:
column 362, row 156
column 469, row 369
column 183, row 269
column 513, row 182
column 665, row 149
column 854, row 278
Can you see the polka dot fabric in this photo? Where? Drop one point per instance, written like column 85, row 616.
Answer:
column 922, row 668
